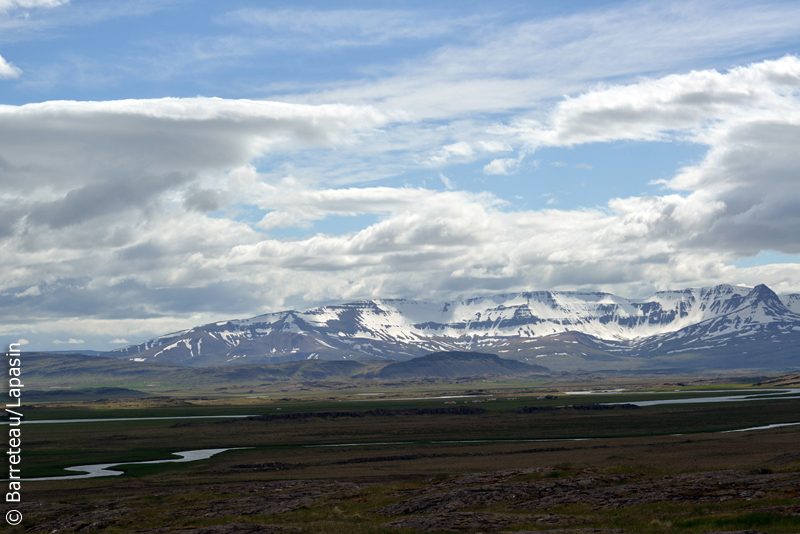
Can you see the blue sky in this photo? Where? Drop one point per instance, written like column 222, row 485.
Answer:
column 170, row 163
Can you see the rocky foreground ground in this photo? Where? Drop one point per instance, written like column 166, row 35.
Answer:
column 537, row 499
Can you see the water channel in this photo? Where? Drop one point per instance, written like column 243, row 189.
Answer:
column 101, row 470
column 762, row 395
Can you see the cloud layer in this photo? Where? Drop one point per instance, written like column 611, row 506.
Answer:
column 125, row 218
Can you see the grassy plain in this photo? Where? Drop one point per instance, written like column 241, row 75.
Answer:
column 376, row 449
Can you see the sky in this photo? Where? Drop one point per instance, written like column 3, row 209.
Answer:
column 169, row 163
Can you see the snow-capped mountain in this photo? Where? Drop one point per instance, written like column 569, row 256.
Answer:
column 568, row 329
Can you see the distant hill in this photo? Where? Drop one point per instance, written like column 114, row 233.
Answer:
column 86, row 352
column 306, row 370
column 60, row 370
column 460, row 364
column 47, row 370
column 63, row 369
column 82, row 394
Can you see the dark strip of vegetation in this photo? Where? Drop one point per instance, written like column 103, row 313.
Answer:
column 96, row 394
column 279, row 466
column 532, row 409
column 395, row 457
column 605, row 407
column 446, row 410
column 379, row 412
column 281, row 416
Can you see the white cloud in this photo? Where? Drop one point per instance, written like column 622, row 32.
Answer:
column 494, row 146
column 70, row 341
column 742, row 197
column 448, row 183
column 130, row 152
column 8, row 70
column 454, row 242
column 460, row 151
column 22, row 341
column 502, row 166
column 32, row 291
column 120, row 341
column 305, row 205
column 654, row 110
column 6, row 5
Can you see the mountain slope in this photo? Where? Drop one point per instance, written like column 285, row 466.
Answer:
column 760, row 329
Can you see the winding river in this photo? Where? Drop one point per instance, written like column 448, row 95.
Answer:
column 102, row 470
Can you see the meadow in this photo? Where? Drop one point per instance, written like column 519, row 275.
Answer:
column 392, row 458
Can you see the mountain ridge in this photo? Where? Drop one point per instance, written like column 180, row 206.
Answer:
column 568, row 328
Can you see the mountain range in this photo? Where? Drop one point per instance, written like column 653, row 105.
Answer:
column 723, row 327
